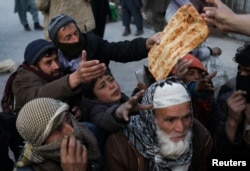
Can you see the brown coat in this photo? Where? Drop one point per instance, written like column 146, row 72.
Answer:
column 80, row 10
column 27, row 85
column 121, row 155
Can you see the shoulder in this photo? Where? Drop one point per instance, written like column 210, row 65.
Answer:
column 117, row 139
column 229, row 86
column 201, row 136
column 25, row 73
column 202, row 146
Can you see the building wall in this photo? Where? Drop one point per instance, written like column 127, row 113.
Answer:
column 239, row 6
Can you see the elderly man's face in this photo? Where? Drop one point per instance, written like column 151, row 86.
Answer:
column 175, row 120
column 68, row 34
column 173, row 130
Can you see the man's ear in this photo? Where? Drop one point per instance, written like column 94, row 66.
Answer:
column 34, row 67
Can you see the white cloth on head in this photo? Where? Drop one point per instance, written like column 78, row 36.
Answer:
column 169, row 95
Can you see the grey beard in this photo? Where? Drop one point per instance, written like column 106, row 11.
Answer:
column 171, row 149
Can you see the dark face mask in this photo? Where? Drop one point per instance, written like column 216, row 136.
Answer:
column 71, row 50
column 243, row 83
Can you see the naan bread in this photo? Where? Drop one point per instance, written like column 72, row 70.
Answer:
column 185, row 31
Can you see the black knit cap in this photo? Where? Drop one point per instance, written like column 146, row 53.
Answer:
column 35, row 50
column 56, row 23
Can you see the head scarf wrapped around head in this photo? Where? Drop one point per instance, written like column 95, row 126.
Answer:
column 36, row 121
column 141, row 131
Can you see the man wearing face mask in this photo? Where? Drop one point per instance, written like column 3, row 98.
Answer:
column 65, row 34
column 231, row 119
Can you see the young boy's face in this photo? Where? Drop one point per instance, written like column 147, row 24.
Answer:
column 193, row 74
column 107, row 90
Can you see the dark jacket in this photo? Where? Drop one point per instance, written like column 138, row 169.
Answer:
column 224, row 148
column 103, row 114
column 121, row 155
column 123, row 51
column 27, row 85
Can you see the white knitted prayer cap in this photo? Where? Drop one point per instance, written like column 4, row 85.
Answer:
column 170, row 94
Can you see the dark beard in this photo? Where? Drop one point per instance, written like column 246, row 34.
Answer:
column 71, row 50
column 243, row 83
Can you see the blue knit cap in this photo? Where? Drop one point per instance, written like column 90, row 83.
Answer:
column 35, row 50
column 56, row 23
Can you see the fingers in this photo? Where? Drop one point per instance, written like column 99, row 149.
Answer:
column 134, row 99
column 237, row 99
column 182, row 67
column 210, row 12
column 73, row 154
column 126, row 109
column 93, row 66
column 153, row 40
column 72, row 144
column 145, row 107
column 64, row 149
column 238, row 93
column 134, row 102
column 212, row 75
column 139, row 94
column 236, row 104
column 89, row 70
column 84, row 55
column 126, row 117
column 81, row 152
column 142, row 86
column 156, row 38
column 183, row 63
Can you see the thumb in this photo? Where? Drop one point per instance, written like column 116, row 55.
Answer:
column 126, row 117
column 84, row 55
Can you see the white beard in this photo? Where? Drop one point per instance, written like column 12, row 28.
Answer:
column 171, row 149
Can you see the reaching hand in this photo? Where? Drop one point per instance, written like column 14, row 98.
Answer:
column 126, row 109
column 86, row 71
column 73, row 155
column 142, row 86
column 89, row 70
column 236, row 104
column 218, row 15
column 181, row 68
column 153, row 40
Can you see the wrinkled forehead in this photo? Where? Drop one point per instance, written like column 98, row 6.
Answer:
column 177, row 111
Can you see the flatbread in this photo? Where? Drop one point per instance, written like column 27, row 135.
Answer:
column 185, row 31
